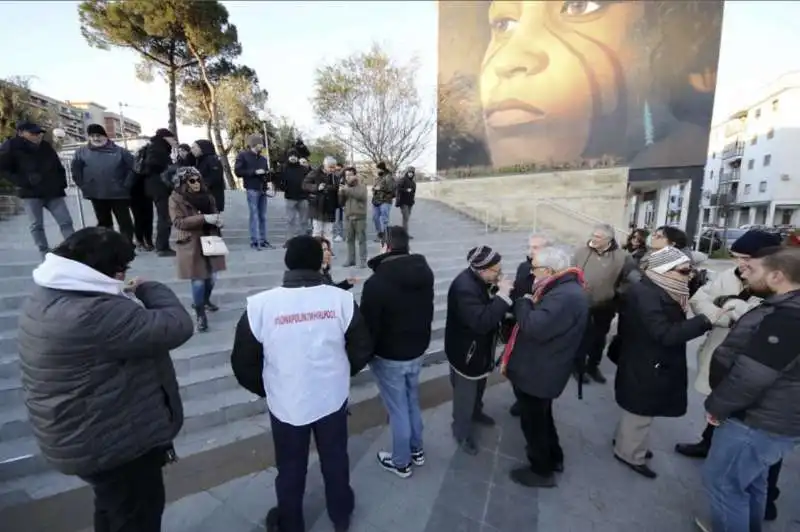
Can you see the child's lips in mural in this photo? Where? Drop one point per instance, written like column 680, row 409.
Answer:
column 509, row 113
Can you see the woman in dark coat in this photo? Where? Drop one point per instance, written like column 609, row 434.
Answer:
column 207, row 163
column 651, row 372
column 327, row 255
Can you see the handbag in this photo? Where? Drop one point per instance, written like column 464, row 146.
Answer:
column 213, row 246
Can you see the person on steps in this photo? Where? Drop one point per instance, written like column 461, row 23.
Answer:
column 323, row 197
column 383, row 192
column 253, row 168
column 208, row 164
column 104, row 173
column 291, row 179
column 158, row 158
column 406, row 193
column 327, row 259
column 194, row 214
column 353, row 198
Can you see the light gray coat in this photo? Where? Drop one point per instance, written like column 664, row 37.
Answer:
column 100, row 386
column 104, row 173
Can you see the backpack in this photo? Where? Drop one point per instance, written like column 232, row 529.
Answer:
column 139, row 166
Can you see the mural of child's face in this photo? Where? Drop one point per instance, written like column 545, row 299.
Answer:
column 551, row 67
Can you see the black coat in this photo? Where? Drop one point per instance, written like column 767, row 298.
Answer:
column 523, row 281
column 246, row 165
column 651, row 372
column 36, row 171
column 406, row 191
column 473, row 321
column 549, row 338
column 157, row 160
column 210, row 168
column 397, row 304
column 322, row 204
column 291, row 181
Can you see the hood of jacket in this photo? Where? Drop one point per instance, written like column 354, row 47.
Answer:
column 612, row 246
column 408, row 271
column 206, row 147
column 301, row 278
column 58, row 273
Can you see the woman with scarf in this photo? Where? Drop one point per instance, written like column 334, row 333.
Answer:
column 651, row 370
column 194, row 214
column 327, row 255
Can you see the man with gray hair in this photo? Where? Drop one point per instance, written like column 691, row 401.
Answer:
column 540, row 357
column 605, row 266
column 323, row 197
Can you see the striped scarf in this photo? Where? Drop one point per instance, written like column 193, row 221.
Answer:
column 538, row 293
column 676, row 287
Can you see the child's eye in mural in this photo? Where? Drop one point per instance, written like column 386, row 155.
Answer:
column 576, row 8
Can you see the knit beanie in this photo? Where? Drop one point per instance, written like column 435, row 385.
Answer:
column 254, row 140
column 755, row 239
column 165, row 133
column 303, row 253
column 666, row 259
column 96, row 129
column 483, row 258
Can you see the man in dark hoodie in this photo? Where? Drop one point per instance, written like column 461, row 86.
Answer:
column 296, row 199
column 406, row 192
column 157, row 159
column 383, row 192
column 397, row 304
column 34, row 167
column 104, row 173
column 253, row 168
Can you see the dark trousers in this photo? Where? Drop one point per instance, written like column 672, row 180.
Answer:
column 130, row 498
column 467, row 403
column 594, row 340
column 120, row 209
column 536, row 419
column 773, row 492
column 142, row 209
column 163, row 223
column 291, row 458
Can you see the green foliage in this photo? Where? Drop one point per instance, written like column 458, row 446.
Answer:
column 467, row 172
column 282, row 136
column 327, row 145
column 721, row 253
column 15, row 106
column 371, row 103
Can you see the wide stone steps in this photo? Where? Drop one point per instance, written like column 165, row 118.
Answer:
column 217, row 410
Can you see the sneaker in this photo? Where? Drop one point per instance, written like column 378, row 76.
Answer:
column 385, row 460
column 266, row 245
column 337, row 238
column 254, row 245
column 418, row 457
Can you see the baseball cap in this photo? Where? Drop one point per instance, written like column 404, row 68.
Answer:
column 30, row 127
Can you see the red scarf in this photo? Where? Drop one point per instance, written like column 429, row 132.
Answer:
column 538, row 293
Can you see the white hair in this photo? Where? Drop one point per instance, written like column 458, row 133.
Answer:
column 540, row 235
column 554, row 258
column 605, row 229
column 329, row 161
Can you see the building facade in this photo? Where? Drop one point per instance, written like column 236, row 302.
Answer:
column 117, row 127
column 752, row 175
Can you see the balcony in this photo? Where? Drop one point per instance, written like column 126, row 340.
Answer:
column 733, row 152
column 732, row 176
column 723, row 199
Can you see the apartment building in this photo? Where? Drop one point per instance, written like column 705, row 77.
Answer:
column 117, row 126
column 752, row 174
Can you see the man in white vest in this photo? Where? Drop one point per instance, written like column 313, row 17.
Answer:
column 297, row 345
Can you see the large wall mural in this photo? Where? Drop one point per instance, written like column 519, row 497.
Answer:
column 576, row 83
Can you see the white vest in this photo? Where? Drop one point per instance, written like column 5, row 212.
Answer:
column 306, row 369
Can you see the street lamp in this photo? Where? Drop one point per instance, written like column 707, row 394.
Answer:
column 263, row 115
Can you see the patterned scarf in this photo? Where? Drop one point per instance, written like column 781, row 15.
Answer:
column 538, row 292
column 677, row 286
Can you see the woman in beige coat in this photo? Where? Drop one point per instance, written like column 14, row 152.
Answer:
column 194, row 214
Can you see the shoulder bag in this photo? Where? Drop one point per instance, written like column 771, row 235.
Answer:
column 213, row 246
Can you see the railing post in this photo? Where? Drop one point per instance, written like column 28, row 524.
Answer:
column 486, row 221
column 79, row 198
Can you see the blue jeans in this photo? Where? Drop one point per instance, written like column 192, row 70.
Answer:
column 35, row 207
column 380, row 216
column 257, row 205
column 201, row 290
column 398, row 383
column 735, row 474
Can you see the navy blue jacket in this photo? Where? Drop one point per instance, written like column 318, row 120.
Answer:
column 245, row 167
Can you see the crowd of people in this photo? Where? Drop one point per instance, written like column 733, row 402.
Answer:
column 94, row 345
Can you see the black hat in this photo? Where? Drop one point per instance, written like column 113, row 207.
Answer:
column 483, row 258
column 303, row 253
column 754, row 240
column 96, row 129
column 30, row 127
column 165, row 133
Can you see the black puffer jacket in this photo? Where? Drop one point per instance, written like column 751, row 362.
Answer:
column 291, row 181
column 210, row 168
column 397, row 304
column 100, row 386
column 473, row 321
column 36, row 171
column 755, row 375
column 406, row 190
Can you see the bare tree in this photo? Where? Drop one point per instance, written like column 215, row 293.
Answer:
column 372, row 105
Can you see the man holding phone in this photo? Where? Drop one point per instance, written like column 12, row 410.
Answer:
column 253, row 168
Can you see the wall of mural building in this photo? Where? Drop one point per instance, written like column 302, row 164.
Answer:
column 576, row 83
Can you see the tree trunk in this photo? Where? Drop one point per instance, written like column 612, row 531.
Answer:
column 172, row 78
column 209, row 134
column 226, row 165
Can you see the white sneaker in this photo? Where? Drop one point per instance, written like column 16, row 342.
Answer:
column 385, row 460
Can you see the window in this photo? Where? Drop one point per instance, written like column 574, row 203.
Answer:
column 750, row 164
column 771, row 133
column 747, row 190
column 762, row 187
column 754, row 140
column 767, row 159
column 774, row 105
column 758, row 113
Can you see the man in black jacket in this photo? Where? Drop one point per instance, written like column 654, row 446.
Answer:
column 397, row 302
column 297, row 345
column 253, row 168
column 291, row 181
column 755, row 397
column 34, row 167
column 406, row 193
column 477, row 300
column 158, row 159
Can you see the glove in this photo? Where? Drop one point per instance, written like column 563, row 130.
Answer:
column 321, row 187
column 211, row 219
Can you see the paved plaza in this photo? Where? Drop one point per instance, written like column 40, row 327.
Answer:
column 454, row 492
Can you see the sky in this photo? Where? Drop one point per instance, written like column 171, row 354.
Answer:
column 285, row 41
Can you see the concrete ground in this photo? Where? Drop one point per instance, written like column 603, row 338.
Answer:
column 454, row 492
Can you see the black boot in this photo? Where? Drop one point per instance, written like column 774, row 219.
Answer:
column 211, row 307
column 202, row 321
column 699, row 449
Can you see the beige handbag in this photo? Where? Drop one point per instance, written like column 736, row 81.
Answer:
column 213, row 246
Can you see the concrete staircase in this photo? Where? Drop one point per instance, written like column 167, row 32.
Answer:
column 217, row 411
